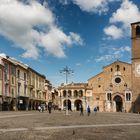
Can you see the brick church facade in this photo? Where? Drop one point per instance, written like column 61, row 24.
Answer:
column 116, row 88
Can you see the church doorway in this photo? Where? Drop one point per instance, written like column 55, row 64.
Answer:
column 119, row 103
column 77, row 104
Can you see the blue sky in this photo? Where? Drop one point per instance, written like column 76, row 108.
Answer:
column 84, row 35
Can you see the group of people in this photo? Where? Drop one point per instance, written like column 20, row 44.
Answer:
column 42, row 108
column 49, row 107
column 88, row 110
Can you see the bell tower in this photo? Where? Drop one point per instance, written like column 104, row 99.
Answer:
column 135, row 27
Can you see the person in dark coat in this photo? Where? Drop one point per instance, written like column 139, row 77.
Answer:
column 88, row 110
column 95, row 110
column 49, row 108
column 81, row 110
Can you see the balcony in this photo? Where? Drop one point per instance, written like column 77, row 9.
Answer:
column 31, row 86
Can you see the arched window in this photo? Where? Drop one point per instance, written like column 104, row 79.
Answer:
column 80, row 93
column 75, row 93
column 138, row 31
column 109, row 96
column 12, row 92
column 69, row 93
column 128, row 96
column 64, row 93
column 124, row 68
column 117, row 68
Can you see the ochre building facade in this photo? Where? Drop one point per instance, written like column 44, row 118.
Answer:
column 74, row 95
column 21, row 87
column 111, row 89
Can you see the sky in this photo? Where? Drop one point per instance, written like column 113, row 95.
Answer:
column 84, row 35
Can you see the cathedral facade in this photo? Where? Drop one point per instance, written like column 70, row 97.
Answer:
column 112, row 89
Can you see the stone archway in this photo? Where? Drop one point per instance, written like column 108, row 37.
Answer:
column 69, row 104
column 119, row 103
column 77, row 104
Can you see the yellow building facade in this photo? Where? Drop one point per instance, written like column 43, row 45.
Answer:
column 74, row 95
column 21, row 87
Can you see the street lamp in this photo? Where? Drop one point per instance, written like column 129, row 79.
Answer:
column 67, row 71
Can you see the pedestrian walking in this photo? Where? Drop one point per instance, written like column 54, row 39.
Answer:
column 88, row 110
column 42, row 108
column 39, row 108
column 81, row 110
column 49, row 108
column 95, row 110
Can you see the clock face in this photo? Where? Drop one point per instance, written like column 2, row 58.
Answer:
column 138, row 69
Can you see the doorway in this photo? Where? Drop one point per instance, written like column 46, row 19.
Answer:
column 119, row 103
column 77, row 104
column 67, row 104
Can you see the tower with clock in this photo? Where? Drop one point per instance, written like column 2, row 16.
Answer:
column 136, row 65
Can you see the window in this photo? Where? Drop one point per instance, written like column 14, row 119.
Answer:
column 117, row 80
column 64, row 93
column 111, row 69
column 6, row 89
column 80, row 93
column 75, row 93
column 24, row 76
column 13, row 70
column 12, row 92
column 6, row 71
column 109, row 96
column 18, row 88
column 128, row 96
column 6, row 68
column 69, row 93
column 25, row 87
column 138, row 31
column 124, row 68
column 97, row 98
column 118, row 68
column 18, row 73
column 12, row 80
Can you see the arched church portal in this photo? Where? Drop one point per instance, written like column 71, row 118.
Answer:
column 119, row 103
column 77, row 104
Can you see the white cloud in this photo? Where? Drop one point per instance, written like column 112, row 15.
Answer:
column 31, row 26
column 104, row 58
column 3, row 55
column 125, row 15
column 113, row 53
column 65, row 2
column 113, row 31
column 95, row 6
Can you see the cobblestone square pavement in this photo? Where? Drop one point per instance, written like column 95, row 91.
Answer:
column 57, row 126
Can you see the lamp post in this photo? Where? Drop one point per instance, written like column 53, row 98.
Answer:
column 67, row 71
